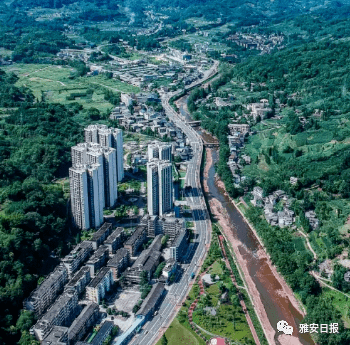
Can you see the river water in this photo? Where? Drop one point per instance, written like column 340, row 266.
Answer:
column 277, row 306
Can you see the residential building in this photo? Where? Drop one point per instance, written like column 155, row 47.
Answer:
column 147, row 261
column 103, row 333
column 160, row 187
column 161, row 151
column 100, row 235
column 107, row 158
column 79, row 280
column 239, row 127
column 119, row 262
column 44, row 295
column 97, row 260
column 152, row 301
column 136, row 239
column 86, row 190
column 83, row 322
column 118, row 145
column 77, row 256
column 61, row 313
column 100, row 285
column 170, row 226
column 152, row 189
column 115, row 240
column 57, row 336
column 108, row 137
column 313, row 220
column 179, row 246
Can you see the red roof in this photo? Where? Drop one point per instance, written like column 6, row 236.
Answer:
column 220, row 341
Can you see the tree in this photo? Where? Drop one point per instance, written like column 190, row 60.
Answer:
column 164, row 340
column 25, row 320
column 28, row 339
column 144, row 278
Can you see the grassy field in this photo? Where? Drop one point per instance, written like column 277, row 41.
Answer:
column 229, row 321
column 340, row 302
column 177, row 334
column 53, row 83
column 216, row 269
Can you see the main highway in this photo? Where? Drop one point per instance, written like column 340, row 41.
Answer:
column 178, row 291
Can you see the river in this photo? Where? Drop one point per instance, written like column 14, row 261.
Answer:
column 276, row 304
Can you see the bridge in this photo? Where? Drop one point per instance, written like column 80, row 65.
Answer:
column 211, row 145
column 194, row 123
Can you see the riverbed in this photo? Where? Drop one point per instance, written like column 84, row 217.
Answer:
column 273, row 299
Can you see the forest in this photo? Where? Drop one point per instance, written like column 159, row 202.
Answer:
column 35, row 141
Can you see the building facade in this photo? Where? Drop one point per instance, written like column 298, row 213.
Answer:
column 44, row 295
column 100, row 285
column 159, row 187
column 77, row 256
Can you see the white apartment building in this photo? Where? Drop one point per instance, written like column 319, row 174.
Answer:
column 165, row 171
column 159, row 187
column 78, row 181
column 160, row 150
column 108, row 137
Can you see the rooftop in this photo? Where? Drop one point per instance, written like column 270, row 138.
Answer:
column 99, row 277
column 119, row 255
column 79, row 322
column 58, row 305
column 105, row 329
column 114, row 235
column 101, row 231
column 138, row 232
column 101, row 251
column 78, row 276
column 151, row 299
column 55, row 336
column 49, row 281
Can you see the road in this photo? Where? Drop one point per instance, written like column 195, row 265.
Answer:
column 178, row 291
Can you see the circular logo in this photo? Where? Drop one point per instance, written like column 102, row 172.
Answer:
column 347, row 276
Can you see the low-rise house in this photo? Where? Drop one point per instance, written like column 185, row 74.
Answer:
column 115, row 240
column 44, row 295
column 80, row 280
column 97, row 260
column 77, row 256
column 100, row 285
column 170, row 269
column 100, row 235
column 152, row 301
column 136, row 240
column 285, row 218
column 311, row 216
column 83, row 322
column 119, row 262
column 103, row 333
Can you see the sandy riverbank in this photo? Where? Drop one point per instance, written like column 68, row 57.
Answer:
column 283, row 289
